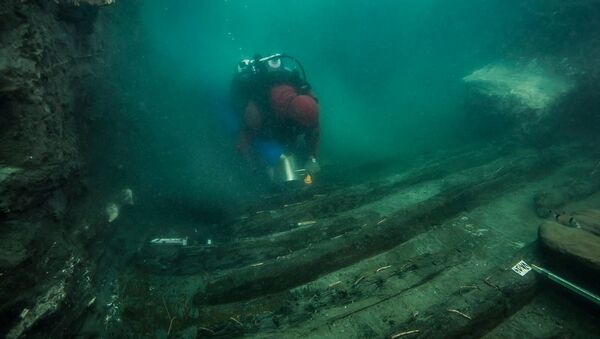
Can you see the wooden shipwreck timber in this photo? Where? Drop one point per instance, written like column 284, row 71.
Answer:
column 426, row 253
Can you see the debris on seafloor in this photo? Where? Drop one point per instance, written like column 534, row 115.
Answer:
column 123, row 198
column 306, row 223
column 335, row 284
column 46, row 305
column 171, row 319
column 459, row 313
column 468, row 287
column 127, row 197
column 112, row 211
column 207, row 330
column 24, row 313
column 401, row 334
column 383, row 268
column 236, row 321
column 170, row 326
column 359, row 280
column 170, row 241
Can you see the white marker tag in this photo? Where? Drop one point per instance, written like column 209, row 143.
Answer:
column 521, row 268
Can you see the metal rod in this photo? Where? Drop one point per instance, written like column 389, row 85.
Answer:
column 581, row 291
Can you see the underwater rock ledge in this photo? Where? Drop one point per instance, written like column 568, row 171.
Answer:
column 525, row 96
column 46, row 262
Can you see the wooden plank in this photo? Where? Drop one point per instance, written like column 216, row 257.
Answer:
column 462, row 191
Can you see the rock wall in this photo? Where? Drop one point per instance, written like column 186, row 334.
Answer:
column 543, row 88
column 523, row 95
column 45, row 249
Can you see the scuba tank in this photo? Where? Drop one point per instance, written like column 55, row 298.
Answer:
column 250, row 67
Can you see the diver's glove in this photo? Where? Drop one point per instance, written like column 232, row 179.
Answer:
column 312, row 166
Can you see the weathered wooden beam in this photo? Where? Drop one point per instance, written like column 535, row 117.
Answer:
column 472, row 313
column 345, row 199
column 463, row 190
column 271, row 234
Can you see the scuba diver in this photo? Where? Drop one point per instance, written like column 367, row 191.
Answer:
column 280, row 117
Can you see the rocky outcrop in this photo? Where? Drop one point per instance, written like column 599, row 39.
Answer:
column 44, row 49
column 525, row 96
column 38, row 64
column 543, row 86
column 530, row 86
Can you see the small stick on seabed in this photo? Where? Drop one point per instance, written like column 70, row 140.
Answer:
column 168, row 315
column 237, row 321
column 383, row 268
column 166, row 308
column 170, row 326
column 207, row 330
column 401, row 334
column 487, row 282
column 470, row 287
column 257, row 264
column 335, row 283
column 359, row 280
column 459, row 313
column 405, row 266
column 381, row 221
